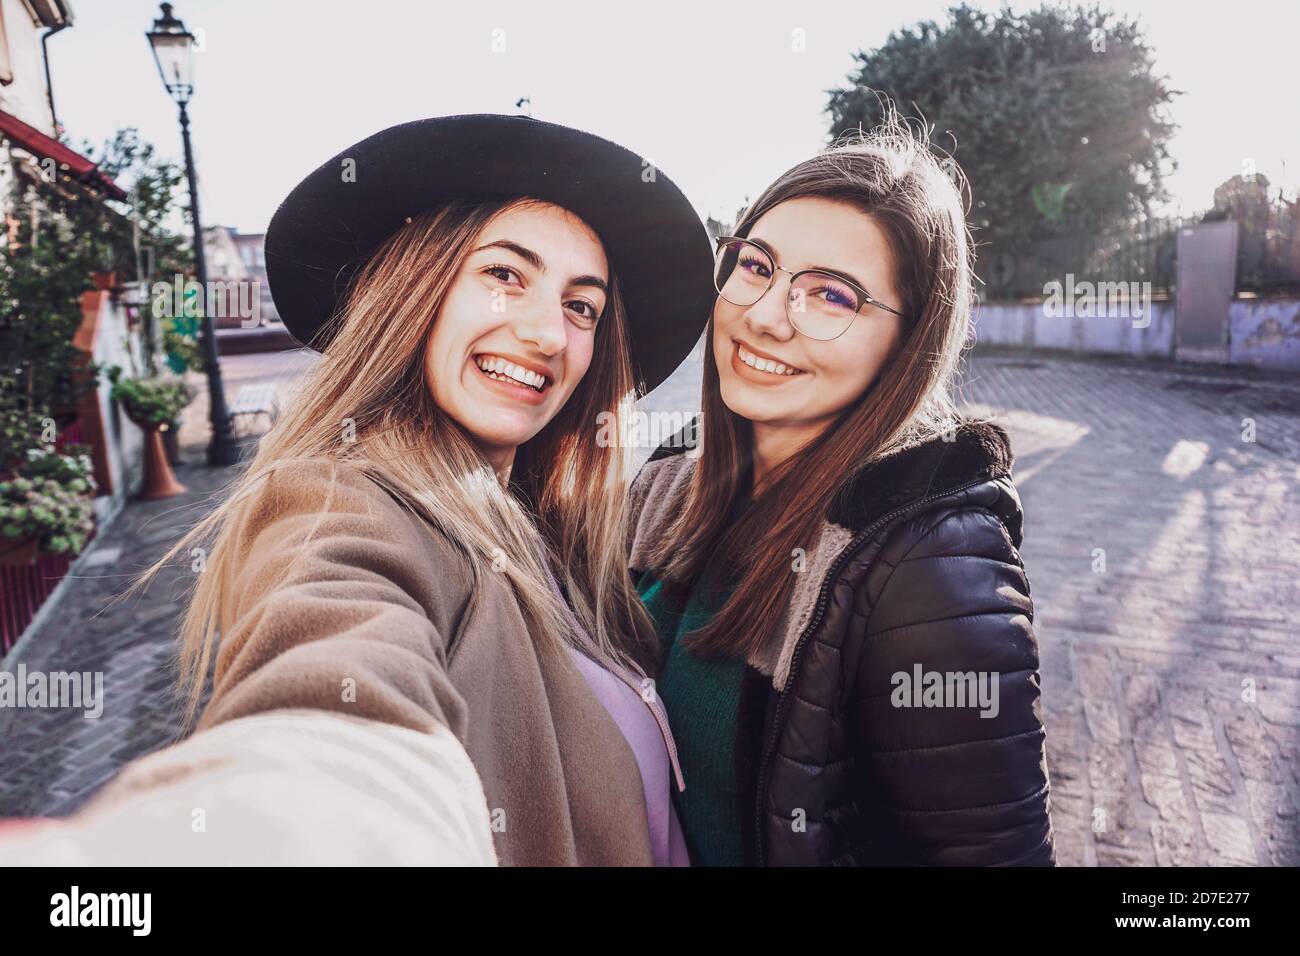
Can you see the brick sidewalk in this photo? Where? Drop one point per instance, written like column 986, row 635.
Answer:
column 1171, row 672
column 53, row 760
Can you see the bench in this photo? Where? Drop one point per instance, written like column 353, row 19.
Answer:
column 254, row 400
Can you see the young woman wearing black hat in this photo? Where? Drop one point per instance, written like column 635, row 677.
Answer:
column 429, row 647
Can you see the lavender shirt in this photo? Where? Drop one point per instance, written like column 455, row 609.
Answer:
column 650, row 741
column 642, row 733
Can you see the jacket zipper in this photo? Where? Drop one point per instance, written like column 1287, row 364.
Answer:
column 660, row 715
column 818, row 612
column 655, row 706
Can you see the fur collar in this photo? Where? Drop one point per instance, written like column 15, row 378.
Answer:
column 978, row 451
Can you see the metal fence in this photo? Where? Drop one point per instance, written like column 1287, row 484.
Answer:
column 1024, row 269
column 1268, row 249
column 1268, row 257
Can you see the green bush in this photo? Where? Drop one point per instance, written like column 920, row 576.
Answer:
column 57, row 515
column 69, row 465
column 151, row 401
column 47, row 493
column 20, row 430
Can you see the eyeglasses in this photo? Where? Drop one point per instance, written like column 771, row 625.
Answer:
column 820, row 305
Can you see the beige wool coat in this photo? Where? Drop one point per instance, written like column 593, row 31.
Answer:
column 357, row 623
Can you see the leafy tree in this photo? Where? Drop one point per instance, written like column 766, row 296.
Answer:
column 1268, row 237
column 59, row 234
column 157, row 205
column 155, row 248
column 1056, row 114
column 1244, row 198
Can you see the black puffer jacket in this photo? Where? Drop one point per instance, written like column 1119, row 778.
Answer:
column 916, row 574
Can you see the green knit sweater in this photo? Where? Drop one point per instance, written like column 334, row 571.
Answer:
column 704, row 702
column 703, row 699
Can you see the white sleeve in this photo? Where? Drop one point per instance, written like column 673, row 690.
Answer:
column 286, row 787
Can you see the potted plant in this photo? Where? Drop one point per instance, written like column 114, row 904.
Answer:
column 50, row 513
column 153, row 405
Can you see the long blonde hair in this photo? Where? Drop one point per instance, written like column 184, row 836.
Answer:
column 566, row 490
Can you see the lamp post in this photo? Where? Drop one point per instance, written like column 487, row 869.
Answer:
column 173, row 49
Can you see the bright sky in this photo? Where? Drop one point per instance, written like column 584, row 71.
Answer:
column 283, row 85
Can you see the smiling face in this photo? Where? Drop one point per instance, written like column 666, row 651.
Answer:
column 516, row 331
column 778, row 378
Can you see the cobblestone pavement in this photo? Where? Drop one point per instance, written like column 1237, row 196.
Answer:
column 52, row 760
column 1164, row 554
column 1163, row 549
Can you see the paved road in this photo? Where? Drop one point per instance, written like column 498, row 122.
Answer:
column 1163, row 548
column 1164, row 554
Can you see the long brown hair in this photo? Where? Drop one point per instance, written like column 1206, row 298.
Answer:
column 367, row 402
column 891, row 175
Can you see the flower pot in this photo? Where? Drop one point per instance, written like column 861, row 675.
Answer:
column 159, row 479
column 17, row 553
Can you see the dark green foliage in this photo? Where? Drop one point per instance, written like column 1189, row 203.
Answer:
column 62, row 235
column 150, row 401
column 1055, row 115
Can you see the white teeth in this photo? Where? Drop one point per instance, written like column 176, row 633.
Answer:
column 504, row 370
column 766, row 365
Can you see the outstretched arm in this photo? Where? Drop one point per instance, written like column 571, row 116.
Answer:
column 334, row 732
column 288, row 787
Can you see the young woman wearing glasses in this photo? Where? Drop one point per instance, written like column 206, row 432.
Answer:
column 849, row 659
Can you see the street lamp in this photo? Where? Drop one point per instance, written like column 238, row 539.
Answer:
column 173, row 49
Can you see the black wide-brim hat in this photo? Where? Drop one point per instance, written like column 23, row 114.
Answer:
column 334, row 219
